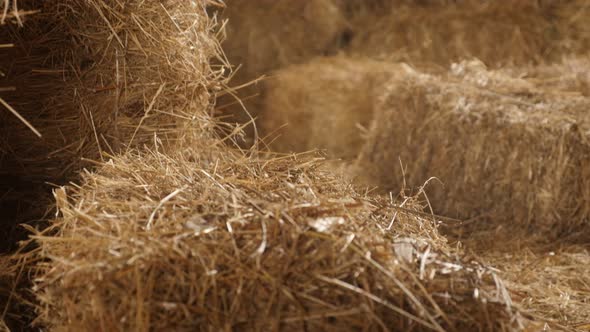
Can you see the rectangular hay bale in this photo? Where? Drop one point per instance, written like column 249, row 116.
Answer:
column 322, row 104
column 445, row 31
column 503, row 148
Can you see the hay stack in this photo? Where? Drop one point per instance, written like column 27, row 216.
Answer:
column 323, row 104
column 205, row 238
column 504, row 149
column 86, row 96
column 497, row 32
column 94, row 78
column 187, row 233
column 92, row 89
column 265, row 35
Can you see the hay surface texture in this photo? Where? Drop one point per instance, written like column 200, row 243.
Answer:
column 504, row 149
column 497, row 32
column 205, row 238
column 547, row 281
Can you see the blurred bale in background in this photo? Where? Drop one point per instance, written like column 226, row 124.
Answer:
column 325, row 104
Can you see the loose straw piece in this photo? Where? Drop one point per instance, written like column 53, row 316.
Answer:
column 23, row 120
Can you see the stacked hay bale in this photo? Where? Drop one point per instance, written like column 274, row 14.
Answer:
column 498, row 33
column 323, row 104
column 266, row 35
column 326, row 104
column 207, row 238
column 503, row 149
column 506, row 148
column 84, row 90
column 87, row 98
column 176, row 231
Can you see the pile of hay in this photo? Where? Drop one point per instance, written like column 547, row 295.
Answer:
column 497, row 32
column 503, row 148
column 82, row 80
column 205, row 237
column 174, row 230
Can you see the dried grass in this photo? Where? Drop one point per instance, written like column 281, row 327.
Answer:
column 504, row 149
column 323, row 104
column 547, row 278
column 95, row 78
column 89, row 96
column 182, row 232
column 497, row 32
column 555, row 285
column 175, row 230
column 265, row 35
column 206, row 238
column 302, row 101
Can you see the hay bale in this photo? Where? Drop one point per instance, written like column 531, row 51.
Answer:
column 94, row 78
column 504, row 149
column 497, row 32
column 266, row 35
column 99, row 88
column 203, row 237
column 323, row 104
column 92, row 90
column 207, row 239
